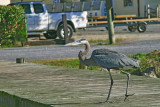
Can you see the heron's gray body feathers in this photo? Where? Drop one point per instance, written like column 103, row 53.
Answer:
column 109, row 59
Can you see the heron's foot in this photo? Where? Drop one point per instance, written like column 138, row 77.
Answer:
column 127, row 95
column 106, row 101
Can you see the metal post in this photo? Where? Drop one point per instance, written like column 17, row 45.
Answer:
column 64, row 18
column 148, row 11
column 157, row 12
column 110, row 21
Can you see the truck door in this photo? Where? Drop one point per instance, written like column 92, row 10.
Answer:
column 30, row 16
column 41, row 17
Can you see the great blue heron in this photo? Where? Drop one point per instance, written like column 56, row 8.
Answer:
column 107, row 59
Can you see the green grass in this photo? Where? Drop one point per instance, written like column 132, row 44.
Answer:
column 69, row 63
column 147, row 60
column 18, row 44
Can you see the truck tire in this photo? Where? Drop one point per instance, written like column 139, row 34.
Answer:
column 51, row 35
column 141, row 27
column 60, row 32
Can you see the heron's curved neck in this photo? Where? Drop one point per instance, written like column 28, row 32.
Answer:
column 87, row 48
column 84, row 52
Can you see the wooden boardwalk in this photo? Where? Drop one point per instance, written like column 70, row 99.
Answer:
column 58, row 86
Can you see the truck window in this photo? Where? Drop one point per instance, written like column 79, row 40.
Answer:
column 27, row 8
column 38, row 8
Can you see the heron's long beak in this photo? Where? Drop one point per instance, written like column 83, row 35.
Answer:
column 73, row 44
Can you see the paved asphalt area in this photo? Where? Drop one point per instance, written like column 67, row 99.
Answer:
column 61, row 51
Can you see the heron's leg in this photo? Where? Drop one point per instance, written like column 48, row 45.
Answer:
column 128, row 78
column 110, row 85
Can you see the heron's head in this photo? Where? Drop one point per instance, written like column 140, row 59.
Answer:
column 77, row 42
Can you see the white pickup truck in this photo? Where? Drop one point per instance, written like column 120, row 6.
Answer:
column 40, row 21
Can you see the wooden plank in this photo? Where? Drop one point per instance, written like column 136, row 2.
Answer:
column 99, row 22
column 64, row 20
column 98, row 17
column 125, row 21
column 111, row 35
column 66, row 87
column 136, row 20
column 124, row 16
column 116, row 16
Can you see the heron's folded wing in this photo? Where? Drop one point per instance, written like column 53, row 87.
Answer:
column 107, row 61
column 111, row 59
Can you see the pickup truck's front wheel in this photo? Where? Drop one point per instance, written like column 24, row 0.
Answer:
column 60, row 32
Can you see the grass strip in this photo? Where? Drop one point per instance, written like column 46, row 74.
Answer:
column 146, row 60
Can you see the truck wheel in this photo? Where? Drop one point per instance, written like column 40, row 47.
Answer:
column 60, row 32
column 132, row 28
column 51, row 35
column 141, row 27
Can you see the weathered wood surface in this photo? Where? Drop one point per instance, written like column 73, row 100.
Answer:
column 125, row 21
column 116, row 16
column 59, row 86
